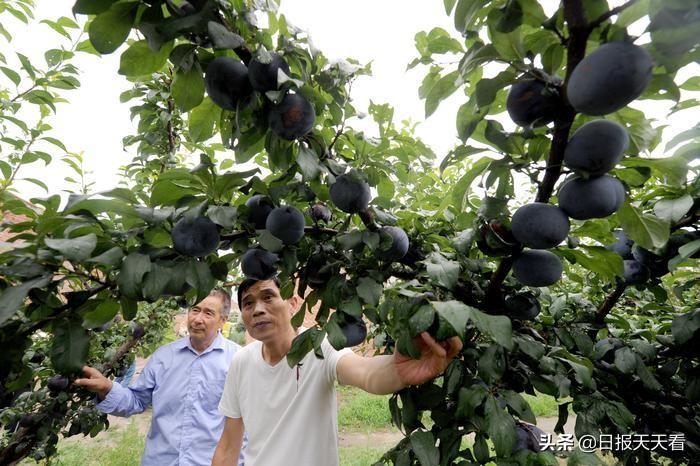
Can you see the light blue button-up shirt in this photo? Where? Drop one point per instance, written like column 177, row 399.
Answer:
column 184, row 388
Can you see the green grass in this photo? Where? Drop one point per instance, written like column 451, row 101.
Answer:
column 544, row 405
column 360, row 456
column 118, row 447
column 358, row 410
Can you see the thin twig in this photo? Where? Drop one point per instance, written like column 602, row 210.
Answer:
column 607, row 15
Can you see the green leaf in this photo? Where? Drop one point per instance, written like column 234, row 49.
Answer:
column 458, row 154
column 222, row 37
column 202, row 120
column 597, row 259
column 684, row 327
column 647, row 231
column 500, row 427
column 78, row 249
column 155, row 282
column 672, row 210
column 369, row 291
column 519, row 405
column 109, row 29
column 625, row 360
column 140, row 60
column 103, row 313
column 461, row 189
column 133, row 268
column 11, row 74
column 423, row 445
column 92, row 7
column 13, row 297
column 308, row 163
column 466, row 14
column 674, row 169
column 442, row 89
column 456, row 314
column 110, row 257
column 199, row 277
column 442, row 271
column 69, row 349
column 188, row 88
column 101, row 206
column 498, row 327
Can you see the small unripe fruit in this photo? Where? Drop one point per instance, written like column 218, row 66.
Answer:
column 58, row 383
column 355, row 331
column 635, row 273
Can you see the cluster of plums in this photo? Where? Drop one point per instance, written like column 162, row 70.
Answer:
column 228, row 82
column 349, row 193
column 640, row 264
column 603, row 82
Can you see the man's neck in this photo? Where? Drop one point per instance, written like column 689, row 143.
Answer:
column 200, row 346
column 273, row 351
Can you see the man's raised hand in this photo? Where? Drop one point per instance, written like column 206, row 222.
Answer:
column 433, row 361
column 95, row 382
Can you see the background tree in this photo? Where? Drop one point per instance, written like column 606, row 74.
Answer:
column 408, row 246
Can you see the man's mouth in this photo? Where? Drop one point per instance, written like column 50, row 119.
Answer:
column 260, row 325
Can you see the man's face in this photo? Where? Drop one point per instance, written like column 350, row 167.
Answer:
column 265, row 314
column 204, row 320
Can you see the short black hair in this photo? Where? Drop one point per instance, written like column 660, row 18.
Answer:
column 248, row 282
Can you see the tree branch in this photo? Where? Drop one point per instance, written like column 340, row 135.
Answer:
column 576, row 50
column 609, row 303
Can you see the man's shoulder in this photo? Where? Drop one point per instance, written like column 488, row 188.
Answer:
column 248, row 351
column 170, row 348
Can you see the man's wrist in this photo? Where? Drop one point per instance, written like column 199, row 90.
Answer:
column 103, row 394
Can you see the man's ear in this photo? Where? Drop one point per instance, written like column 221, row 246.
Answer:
column 294, row 303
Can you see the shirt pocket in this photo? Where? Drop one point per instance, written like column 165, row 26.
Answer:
column 212, row 390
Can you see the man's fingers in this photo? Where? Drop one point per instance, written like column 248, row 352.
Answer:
column 455, row 346
column 91, row 372
column 433, row 345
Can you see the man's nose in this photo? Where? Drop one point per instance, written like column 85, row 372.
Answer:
column 259, row 309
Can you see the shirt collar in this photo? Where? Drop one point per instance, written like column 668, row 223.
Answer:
column 217, row 344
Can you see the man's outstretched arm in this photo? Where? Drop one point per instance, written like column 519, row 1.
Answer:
column 115, row 399
column 382, row 375
column 229, row 447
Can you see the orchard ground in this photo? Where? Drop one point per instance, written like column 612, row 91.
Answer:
column 364, row 424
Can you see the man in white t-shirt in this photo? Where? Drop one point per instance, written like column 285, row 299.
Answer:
column 289, row 414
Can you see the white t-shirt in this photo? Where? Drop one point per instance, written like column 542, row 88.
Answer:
column 289, row 420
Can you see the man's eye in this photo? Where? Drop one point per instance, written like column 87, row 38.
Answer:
column 267, row 298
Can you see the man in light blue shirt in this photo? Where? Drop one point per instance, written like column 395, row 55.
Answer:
column 183, row 381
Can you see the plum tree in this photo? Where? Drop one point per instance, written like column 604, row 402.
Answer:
column 263, row 76
column 596, row 147
column 286, row 223
column 354, row 329
column 398, row 247
column 539, row 225
column 227, row 83
column 259, row 207
column 259, row 264
column 319, row 212
column 532, row 103
column 593, row 198
column 522, row 305
column 292, row 118
column 609, row 78
column 57, row 384
column 196, row 236
column 623, row 245
column 635, row 273
column 534, row 267
column 349, row 193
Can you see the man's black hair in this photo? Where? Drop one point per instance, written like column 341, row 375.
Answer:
column 248, row 282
